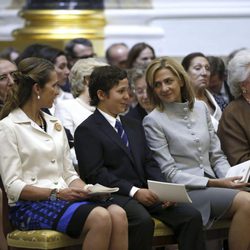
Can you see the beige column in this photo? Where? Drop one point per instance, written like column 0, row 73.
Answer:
column 58, row 26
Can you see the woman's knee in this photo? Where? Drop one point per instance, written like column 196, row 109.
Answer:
column 98, row 217
column 241, row 202
column 118, row 215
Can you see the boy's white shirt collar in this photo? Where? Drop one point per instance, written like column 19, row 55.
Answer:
column 110, row 118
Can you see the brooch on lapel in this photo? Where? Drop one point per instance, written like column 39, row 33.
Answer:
column 58, row 126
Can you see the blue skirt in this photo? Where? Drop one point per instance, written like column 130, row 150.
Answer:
column 63, row 216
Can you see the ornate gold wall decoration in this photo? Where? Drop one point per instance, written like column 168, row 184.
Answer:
column 61, row 24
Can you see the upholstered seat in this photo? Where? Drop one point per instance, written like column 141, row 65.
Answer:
column 49, row 239
column 41, row 239
column 164, row 235
column 161, row 229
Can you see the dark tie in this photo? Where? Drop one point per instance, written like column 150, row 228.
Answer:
column 121, row 132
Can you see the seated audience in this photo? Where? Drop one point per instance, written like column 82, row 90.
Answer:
column 136, row 78
column 112, row 150
column 217, row 84
column 7, row 68
column 117, row 54
column 140, row 55
column 43, row 189
column 233, row 131
column 180, row 134
column 79, row 48
column 198, row 69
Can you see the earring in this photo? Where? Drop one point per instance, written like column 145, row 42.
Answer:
column 244, row 91
column 38, row 97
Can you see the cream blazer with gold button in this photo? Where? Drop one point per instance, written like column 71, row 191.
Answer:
column 31, row 156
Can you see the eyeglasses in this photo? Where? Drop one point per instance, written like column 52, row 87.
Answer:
column 140, row 92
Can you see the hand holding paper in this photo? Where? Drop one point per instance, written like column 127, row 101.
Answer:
column 99, row 189
column 242, row 169
column 169, row 191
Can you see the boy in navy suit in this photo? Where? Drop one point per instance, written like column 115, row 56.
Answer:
column 112, row 150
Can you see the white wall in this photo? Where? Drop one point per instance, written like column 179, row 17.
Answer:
column 172, row 27
column 179, row 27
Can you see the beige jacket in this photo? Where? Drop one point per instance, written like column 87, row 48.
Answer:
column 30, row 156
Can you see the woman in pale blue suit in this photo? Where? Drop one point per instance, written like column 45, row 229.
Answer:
column 180, row 133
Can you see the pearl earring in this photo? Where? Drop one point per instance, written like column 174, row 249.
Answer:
column 244, row 91
column 38, row 97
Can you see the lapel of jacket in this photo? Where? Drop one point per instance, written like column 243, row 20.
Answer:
column 18, row 116
column 107, row 129
column 53, row 124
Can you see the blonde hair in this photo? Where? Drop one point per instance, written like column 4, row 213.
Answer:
column 176, row 68
column 81, row 69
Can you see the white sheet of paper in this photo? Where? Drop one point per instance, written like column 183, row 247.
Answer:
column 100, row 189
column 169, row 191
column 242, row 169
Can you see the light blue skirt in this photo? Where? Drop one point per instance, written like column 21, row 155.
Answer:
column 213, row 203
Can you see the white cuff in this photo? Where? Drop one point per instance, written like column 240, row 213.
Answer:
column 133, row 191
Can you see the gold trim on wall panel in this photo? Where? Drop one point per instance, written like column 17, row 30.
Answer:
column 61, row 24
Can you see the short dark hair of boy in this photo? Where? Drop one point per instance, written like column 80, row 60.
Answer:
column 104, row 78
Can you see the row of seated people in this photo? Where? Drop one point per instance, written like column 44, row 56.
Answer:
column 207, row 75
column 163, row 98
column 38, row 175
column 214, row 91
column 117, row 54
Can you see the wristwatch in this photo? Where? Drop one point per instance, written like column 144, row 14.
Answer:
column 53, row 194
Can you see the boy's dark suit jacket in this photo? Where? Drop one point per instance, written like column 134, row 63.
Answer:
column 103, row 158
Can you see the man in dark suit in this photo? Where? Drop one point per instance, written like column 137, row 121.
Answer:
column 118, row 156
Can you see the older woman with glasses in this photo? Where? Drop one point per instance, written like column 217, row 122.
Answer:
column 137, row 81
